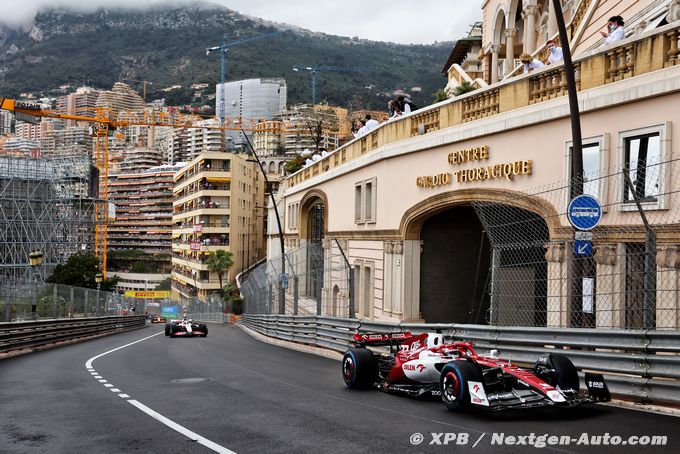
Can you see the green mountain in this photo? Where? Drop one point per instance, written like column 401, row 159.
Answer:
column 167, row 46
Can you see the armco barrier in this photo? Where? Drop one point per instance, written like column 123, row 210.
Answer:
column 639, row 365
column 24, row 335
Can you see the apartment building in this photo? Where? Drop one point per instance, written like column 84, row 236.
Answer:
column 218, row 200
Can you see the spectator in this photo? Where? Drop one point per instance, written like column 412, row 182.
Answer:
column 393, row 109
column 615, row 31
column 362, row 130
column 405, row 105
column 371, row 124
column 555, row 53
column 530, row 63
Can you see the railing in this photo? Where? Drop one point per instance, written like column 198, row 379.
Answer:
column 639, row 365
column 30, row 335
column 634, row 56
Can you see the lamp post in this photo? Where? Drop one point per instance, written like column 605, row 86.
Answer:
column 35, row 259
column 98, row 278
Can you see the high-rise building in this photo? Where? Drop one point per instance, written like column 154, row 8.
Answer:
column 250, row 100
column 82, row 103
column 6, row 122
column 143, row 201
column 121, row 98
column 216, row 201
column 139, row 159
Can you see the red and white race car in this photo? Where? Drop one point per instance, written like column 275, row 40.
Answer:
column 185, row 327
column 430, row 365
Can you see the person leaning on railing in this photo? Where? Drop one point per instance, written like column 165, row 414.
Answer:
column 529, row 63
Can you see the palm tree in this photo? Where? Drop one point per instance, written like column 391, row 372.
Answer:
column 465, row 87
column 220, row 261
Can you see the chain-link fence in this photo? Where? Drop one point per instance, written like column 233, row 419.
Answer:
column 60, row 301
column 312, row 279
column 540, row 271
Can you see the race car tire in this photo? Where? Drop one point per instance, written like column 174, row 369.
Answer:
column 359, row 368
column 453, row 384
column 167, row 329
column 173, row 330
column 203, row 327
column 565, row 374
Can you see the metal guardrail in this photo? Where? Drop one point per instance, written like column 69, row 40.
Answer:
column 640, row 365
column 22, row 335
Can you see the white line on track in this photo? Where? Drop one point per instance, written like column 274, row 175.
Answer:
column 157, row 416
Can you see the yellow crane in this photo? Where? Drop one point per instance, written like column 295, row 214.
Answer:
column 103, row 121
column 144, row 84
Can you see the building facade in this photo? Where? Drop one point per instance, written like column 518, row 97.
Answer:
column 250, row 100
column 457, row 212
column 217, row 206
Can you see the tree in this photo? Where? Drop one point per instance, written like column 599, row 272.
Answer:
column 465, row 87
column 220, row 261
column 439, row 96
column 294, row 164
column 80, row 271
column 164, row 284
column 231, row 294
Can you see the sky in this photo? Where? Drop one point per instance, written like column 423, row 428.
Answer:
column 400, row 21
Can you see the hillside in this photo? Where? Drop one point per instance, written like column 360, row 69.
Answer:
column 166, row 45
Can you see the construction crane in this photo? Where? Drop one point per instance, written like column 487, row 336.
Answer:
column 144, row 84
column 223, row 49
column 103, row 122
column 317, row 69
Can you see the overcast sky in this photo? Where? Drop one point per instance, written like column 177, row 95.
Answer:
column 402, row 21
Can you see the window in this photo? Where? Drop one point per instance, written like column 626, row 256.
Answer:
column 364, row 201
column 595, row 164
column 364, row 288
column 644, row 153
column 642, row 159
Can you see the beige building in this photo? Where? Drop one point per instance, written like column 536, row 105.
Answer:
column 457, row 212
column 217, row 206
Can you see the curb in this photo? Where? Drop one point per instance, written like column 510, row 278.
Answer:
column 326, row 353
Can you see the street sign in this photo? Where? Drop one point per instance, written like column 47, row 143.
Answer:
column 584, row 212
column 585, row 236
column 583, row 248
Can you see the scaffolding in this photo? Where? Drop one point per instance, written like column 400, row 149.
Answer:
column 46, row 205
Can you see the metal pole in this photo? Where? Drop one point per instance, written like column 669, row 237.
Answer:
column 649, row 301
column 313, row 87
column 495, row 268
column 350, row 280
column 296, row 294
column 282, row 291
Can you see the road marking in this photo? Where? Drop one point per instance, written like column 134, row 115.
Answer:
column 157, row 416
column 183, row 430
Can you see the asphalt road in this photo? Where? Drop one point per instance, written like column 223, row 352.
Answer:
column 234, row 393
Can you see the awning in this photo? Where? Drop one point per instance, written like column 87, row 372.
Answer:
column 219, row 179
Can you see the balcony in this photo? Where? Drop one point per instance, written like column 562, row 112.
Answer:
column 634, row 56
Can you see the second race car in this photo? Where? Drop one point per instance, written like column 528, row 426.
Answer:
column 429, row 365
column 185, row 327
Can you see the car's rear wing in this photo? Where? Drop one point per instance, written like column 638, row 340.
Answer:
column 380, row 339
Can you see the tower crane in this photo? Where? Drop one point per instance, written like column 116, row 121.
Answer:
column 223, row 48
column 317, row 69
column 33, row 113
column 144, row 84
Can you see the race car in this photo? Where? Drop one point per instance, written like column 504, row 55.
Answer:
column 158, row 319
column 429, row 365
column 185, row 327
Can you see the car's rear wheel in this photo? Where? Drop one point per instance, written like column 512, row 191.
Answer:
column 359, row 368
column 564, row 375
column 453, row 383
column 203, row 327
column 167, row 329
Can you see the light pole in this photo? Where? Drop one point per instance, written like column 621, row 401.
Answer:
column 283, row 278
column 35, row 259
column 98, row 278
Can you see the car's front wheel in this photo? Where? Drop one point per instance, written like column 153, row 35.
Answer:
column 204, row 328
column 359, row 368
column 168, row 328
column 454, row 383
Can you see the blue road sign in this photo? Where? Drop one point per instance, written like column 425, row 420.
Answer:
column 583, row 248
column 284, row 280
column 584, row 212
